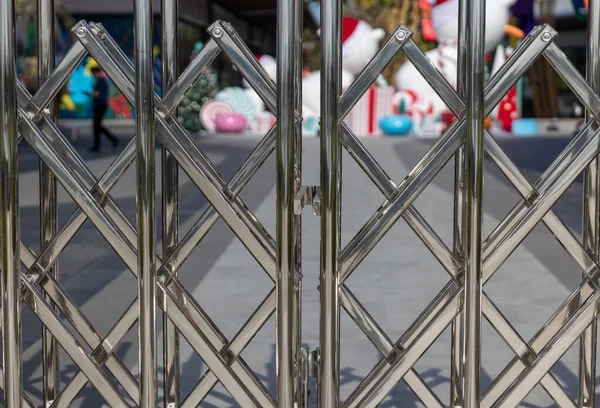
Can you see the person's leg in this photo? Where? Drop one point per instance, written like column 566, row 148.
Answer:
column 104, row 130
column 97, row 127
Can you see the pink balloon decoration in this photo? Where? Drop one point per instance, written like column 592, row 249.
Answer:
column 231, row 123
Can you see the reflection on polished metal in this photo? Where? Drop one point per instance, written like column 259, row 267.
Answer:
column 48, row 205
column 470, row 263
column 591, row 219
column 170, row 200
column 9, row 208
column 473, row 16
column 331, row 166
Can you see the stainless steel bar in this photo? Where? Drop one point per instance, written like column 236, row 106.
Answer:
column 103, row 354
column 331, row 167
column 46, row 259
column 146, row 260
column 300, row 392
column 48, row 207
column 385, row 346
column 473, row 16
column 26, row 401
column 209, row 354
column 385, row 376
column 591, row 219
column 377, row 226
column 96, row 376
column 170, row 200
column 285, row 190
column 433, row 76
column 175, row 94
column 194, row 163
column 567, row 310
column 9, row 208
column 569, row 73
column 552, row 353
column 457, row 395
column 532, row 213
column 232, row 350
column 387, row 186
column 208, row 219
column 369, row 74
column 524, row 352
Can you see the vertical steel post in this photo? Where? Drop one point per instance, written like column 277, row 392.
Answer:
column 170, row 198
column 473, row 16
column 46, row 49
column 9, row 209
column 286, row 175
column 331, row 160
column 591, row 214
column 300, row 396
column 144, row 105
column 456, row 370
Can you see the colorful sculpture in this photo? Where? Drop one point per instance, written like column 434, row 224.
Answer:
column 444, row 20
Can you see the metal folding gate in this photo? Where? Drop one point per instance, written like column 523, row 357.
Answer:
column 470, row 263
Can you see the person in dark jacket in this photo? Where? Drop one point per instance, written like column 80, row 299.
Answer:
column 100, row 103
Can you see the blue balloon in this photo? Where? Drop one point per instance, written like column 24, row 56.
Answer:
column 396, row 125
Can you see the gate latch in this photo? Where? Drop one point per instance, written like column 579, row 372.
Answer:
column 308, row 195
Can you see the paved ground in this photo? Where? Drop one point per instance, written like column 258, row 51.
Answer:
column 395, row 282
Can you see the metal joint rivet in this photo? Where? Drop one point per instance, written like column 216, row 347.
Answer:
column 547, row 36
column 217, row 32
column 81, row 32
column 401, row 35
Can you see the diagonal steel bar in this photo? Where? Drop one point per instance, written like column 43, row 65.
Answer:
column 84, row 199
column 45, row 313
column 385, row 346
column 381, row 381
column 210, row 216
column 529, row 214
column 390, row 49
column 191, row 159
column 173, row 97
column 380, row 223
column 26, row 401
column 567, row 310
column 566, row 336
column 212, row 358
column 103, row 355
column 232, row 350
column 57, row 80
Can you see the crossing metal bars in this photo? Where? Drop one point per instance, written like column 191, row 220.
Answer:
column 472, row 261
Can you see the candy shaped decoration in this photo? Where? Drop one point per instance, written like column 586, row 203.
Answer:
column 209, row 112
column 240, row 102
column 230, row 122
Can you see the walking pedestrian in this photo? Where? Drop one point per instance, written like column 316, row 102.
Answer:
column 100, row 104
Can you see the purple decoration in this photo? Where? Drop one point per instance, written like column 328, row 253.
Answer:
column 523, row 10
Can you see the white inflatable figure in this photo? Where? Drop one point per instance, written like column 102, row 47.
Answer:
column 360, row 43
column 444, row 19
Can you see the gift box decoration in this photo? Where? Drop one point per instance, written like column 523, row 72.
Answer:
column 376, row 104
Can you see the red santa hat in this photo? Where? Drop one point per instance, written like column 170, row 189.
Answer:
column 352, row 31
column 443, row 11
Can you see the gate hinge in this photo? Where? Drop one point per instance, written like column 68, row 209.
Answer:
column 308, row 195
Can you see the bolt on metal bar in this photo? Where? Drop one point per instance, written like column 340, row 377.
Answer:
column 170, row 200
column 146, row 259
column 9, row 209
column 591, row 218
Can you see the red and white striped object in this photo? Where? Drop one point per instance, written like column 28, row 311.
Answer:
column 364, row 118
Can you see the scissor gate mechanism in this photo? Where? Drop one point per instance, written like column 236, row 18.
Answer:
column 473, row 260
